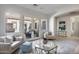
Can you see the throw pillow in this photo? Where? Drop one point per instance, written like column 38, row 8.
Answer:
column 2, row 39
column 9, row 39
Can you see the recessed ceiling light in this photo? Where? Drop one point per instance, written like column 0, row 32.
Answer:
column 35, row 4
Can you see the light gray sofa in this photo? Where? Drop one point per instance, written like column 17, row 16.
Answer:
column 7, row 45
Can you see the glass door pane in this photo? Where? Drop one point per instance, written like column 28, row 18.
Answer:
column 28, row 28
column 36, row 28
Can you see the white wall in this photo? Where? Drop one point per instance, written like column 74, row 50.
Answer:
column 51, row 25
column 2, row 24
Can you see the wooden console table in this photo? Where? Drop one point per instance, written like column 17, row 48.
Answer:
column 50, row 37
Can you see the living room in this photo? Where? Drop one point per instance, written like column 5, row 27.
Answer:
column 23, row 25
column 17, row 20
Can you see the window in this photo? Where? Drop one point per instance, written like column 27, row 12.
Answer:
column 12, row 25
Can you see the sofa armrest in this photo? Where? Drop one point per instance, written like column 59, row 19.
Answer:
column 5, row 46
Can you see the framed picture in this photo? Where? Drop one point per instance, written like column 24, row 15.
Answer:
column 44, row 24
column 9, row 27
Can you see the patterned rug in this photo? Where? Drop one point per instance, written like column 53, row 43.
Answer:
column 64, row 46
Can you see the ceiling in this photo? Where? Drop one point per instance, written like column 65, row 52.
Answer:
column 50, row 8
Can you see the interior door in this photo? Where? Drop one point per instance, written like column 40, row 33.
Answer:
column 75, row 27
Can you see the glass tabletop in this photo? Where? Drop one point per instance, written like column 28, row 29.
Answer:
column 46, row 49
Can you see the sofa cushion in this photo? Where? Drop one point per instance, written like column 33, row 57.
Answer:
column 19, row 38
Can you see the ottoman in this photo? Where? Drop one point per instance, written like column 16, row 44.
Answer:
column 26, row 47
